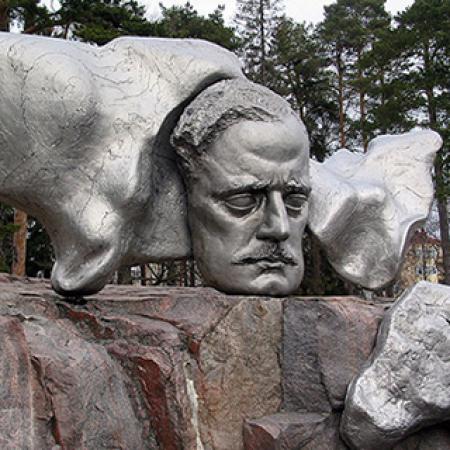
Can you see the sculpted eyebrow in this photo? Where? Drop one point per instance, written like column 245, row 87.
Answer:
column 252, row 187
column 298, row 188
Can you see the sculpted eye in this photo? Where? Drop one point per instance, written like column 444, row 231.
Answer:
column 241, row 204
column 294, row 202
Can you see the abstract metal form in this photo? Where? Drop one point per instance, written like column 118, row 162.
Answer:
column 85, row 147
column 364, row 208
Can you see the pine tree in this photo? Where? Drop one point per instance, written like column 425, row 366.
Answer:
column 256, row 22
column 185, row 22
column 350, row 30
column 303, row 78
column 388, row 90
column 31, row 15
column 100, row 21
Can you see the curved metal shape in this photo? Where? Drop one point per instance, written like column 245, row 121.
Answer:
column 364, row 208
column 405, row 386
column 84, row 146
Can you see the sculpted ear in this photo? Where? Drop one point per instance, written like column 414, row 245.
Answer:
column 364, row 208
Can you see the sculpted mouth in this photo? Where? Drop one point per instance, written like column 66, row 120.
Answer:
column 271, row 261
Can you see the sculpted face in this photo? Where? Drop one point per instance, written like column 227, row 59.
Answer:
column 248, row 208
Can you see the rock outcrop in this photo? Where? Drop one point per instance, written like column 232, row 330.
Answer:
column 181, row 369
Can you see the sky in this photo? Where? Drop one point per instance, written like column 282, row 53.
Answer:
column 300, row 10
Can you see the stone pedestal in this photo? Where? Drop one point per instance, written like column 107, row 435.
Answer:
column 174, row 368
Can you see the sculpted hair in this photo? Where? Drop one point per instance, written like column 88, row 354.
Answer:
column 217, row 108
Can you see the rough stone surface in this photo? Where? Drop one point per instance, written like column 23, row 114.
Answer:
column 432, row 438
column 325, row 344
column 406, row 386
column 314, row 431
column 299, row 431
column 179, row 369
column 135, row 368
column 239, row 371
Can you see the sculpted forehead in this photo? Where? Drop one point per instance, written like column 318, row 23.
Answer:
column 275, row 152
column 277, row 142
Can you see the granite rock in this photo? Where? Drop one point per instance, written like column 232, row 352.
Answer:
column 289, row 431
column 406, row 385
column 58, row 389
column 137, row 368
column 314, row 431
column 325, row 344
column 431, row 438
column 180, row 369
column 238, row 373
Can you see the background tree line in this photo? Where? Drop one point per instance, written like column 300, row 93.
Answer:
column 357, row 74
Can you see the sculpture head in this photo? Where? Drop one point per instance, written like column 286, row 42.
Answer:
column 244, row 156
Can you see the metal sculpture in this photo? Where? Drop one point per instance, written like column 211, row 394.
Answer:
column 85, row 146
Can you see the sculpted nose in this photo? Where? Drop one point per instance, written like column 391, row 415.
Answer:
column 275, row 224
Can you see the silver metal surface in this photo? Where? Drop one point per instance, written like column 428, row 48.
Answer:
column 364, row 208
column 406, row 384
column 85, row 147
column 245, row 159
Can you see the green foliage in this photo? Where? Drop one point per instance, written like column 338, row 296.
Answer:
column 100, row 21
column 185, row 22
column 30, row 14
column 351, row 30
column 423, row 33
column 7, row 229
column 40, row 255
column 256, row 22
column 302, row 77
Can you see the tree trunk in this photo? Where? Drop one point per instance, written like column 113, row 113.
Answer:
column 183, row 277
column 144, row 270
column 20, row 244
column 362, row 105
column 441, row 199
column 382, row 78
column 192, row 282
column 424, row 255
column 340, row 70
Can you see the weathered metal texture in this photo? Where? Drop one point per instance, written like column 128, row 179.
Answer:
column 364, row 208
column 84, row 146
column 406, row 385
